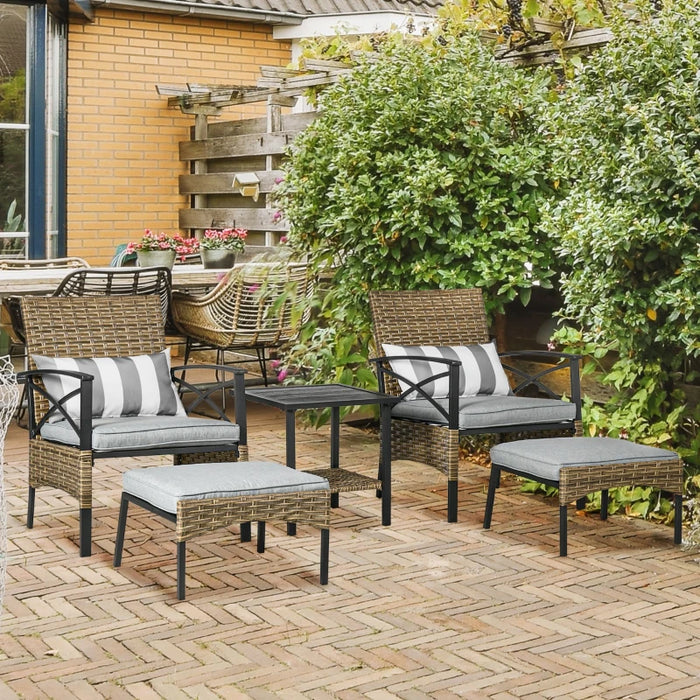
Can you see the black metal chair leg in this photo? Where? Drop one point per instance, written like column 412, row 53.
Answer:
column 181, row 563
column 452, row 496
column 562, row 531
column 325, row 546
column 262, row 362
column 30, row 507
column 604, row 504
column 245, row 532
column 494, row 483
column 85, row 532
column 121, row 527
column 261, row 536
column 678, row 518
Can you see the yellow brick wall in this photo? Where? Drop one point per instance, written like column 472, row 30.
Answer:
column 123, row 163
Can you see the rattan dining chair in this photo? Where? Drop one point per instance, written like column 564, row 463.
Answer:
column 257, row 306
column 427, row 427
column 63, row 445
column 109, row 281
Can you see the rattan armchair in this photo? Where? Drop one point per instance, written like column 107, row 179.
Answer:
column 428, row 430
column 62, row 449
column 255, row 307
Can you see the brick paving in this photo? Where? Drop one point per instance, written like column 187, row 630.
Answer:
column 420, row 609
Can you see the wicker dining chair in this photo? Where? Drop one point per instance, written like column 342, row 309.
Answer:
column 255, row 307
column 428, row 429
column 64, row 446
column 96, row 281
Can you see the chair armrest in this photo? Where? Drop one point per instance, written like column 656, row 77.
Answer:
column 227, row 379
column 451, row 372
column 56, row 405
column 558, row 361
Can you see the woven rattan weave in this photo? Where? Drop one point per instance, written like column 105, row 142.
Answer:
column 255, row 307
column 95, row 326
column 342, row 480
column 198, row 516
column 446, row 317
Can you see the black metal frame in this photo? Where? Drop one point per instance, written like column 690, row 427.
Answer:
column 83, row 429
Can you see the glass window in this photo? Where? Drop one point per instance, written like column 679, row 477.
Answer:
column 13, row 129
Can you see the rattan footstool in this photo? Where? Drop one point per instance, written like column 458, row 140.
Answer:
column 200, row 498
column 579, row 466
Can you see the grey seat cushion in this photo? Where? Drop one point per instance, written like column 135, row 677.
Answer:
column 546, row 457
column 490, row 411
column 147, row 432
column 163, row 487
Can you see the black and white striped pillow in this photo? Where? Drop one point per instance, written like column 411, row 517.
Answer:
column 123, row 386
column 480, row 372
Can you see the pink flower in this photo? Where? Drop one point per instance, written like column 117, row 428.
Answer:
column 275, row 364
column 279, row 180
column 281, row 375
column 551, row 346
column 283, row 239
column 277, row 215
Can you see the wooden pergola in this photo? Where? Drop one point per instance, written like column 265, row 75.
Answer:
column 221, row 153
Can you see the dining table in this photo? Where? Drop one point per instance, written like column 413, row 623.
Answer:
column 17, row 282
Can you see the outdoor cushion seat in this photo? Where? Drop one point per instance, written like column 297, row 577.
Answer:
column 163, row 487
column 489, row 411
column 145, row 432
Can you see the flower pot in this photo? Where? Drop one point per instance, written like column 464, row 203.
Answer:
column 156, row 258
column 218, row 258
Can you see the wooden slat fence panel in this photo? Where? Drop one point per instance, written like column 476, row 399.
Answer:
column 228, row 146
column 220, row 183
column 254, row 219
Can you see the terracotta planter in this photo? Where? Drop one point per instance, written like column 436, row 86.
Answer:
column 219, row 258
column 156, row 258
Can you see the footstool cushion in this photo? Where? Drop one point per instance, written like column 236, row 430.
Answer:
column 579, row 466
column 200, row 498
column 163, row 487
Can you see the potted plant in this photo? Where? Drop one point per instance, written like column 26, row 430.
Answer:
column 161, row 249
column 219, row 247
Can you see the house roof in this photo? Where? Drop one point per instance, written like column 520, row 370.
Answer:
column 282, row 12
column 330, row 7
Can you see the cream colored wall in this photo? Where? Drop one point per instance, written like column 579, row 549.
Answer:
column 123, row 162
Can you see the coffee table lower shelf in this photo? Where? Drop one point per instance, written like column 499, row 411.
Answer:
column 343, row 480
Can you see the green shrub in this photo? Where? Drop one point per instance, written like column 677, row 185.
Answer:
column 426, row 168
column 626, row 135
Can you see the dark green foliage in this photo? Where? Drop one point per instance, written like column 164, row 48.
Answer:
column 627, row 136
column 426, row 168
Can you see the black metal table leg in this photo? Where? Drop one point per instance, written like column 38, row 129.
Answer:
column 291, row 454
column 385, row 461
column 335, row 449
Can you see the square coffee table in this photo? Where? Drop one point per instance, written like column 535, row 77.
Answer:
column 292, row 398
